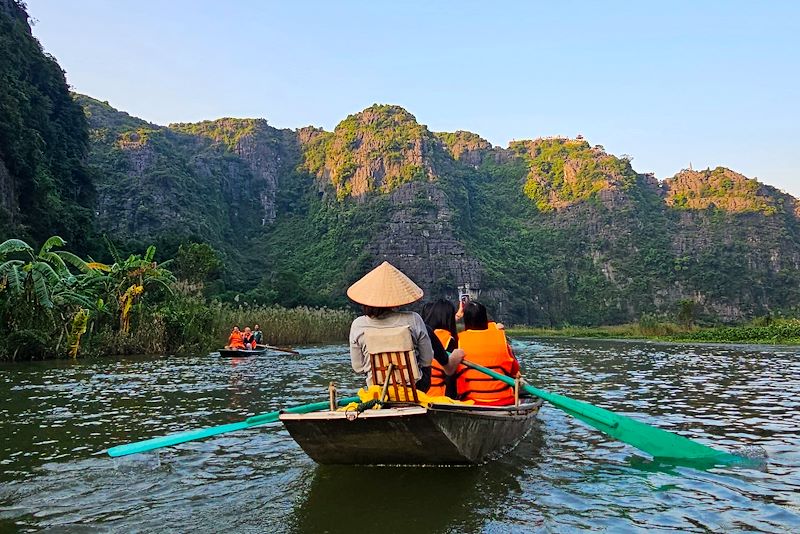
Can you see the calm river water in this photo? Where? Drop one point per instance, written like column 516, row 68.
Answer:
column 57, row 417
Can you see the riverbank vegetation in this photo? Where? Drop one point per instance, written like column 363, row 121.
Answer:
column 763, row 330
column 55, row 304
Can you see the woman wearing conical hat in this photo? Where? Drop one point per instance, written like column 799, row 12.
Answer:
column 380, row 292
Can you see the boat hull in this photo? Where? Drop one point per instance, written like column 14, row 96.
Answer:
column 232, row 353
column 443, row 434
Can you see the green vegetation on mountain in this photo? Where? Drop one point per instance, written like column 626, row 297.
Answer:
column 45, row 186
column 721, row 188
column 377, row 149
column 565, row 171
column 164, row 186
column 230, row 132
column 550, row 231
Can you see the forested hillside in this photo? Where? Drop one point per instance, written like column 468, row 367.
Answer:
column 45, row 186
column 546, row 231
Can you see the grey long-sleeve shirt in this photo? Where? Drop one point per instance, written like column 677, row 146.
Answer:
column 359, row 357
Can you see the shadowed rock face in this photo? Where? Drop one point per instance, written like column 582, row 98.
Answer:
column 420, row 240
column 546, row 231
column 467, row 147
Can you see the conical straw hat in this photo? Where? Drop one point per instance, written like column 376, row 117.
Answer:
column 385, row 286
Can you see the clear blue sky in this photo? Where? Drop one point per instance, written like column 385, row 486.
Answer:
column 711, row 83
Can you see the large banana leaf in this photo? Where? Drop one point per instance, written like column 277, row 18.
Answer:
column 41, row 286
column 53, row 241
column 10, row 271
column 14, row 245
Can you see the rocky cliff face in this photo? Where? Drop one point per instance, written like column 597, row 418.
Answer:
column 268, row 152
column 735, row 241
column 466, row 147
column 546, row 231
column 420, row 240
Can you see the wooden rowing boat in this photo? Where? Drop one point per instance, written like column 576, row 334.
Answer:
column 241, row 353
column 398, row 434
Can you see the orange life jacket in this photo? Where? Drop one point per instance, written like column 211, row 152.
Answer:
column 235, row 341
column 438, row 386
column 488, row 348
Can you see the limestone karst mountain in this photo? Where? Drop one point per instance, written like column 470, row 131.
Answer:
column 546, row 231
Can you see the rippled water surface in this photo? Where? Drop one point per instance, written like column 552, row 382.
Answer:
column 56, row 418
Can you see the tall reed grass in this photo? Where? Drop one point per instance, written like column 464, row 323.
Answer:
column 188, row 325
column 285, row 326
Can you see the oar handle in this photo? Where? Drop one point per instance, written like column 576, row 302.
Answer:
column 202, row 433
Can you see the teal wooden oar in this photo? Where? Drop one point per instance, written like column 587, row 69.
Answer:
column 654, row 441
column 192, row 435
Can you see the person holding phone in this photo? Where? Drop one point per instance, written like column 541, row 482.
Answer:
column 463, row 300
column 485, row 345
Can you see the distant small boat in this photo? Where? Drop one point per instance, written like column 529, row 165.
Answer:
column 403, row 434
column 240, row 353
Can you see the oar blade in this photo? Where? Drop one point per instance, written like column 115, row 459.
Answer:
column 657, row 442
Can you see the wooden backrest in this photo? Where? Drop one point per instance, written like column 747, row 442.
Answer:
column 393, row 346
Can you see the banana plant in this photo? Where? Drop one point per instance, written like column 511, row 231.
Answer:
column 40, row 286
column 44, row 278
column 133, row 277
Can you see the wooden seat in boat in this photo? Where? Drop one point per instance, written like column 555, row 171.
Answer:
column 393, row 346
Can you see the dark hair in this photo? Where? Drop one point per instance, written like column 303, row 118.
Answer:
column 475, row 317
column 374, row 312
column 441, row 314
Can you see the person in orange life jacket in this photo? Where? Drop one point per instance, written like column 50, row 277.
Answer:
column 380, row 292
column 486, row 346
column 440, row 319
column 248, row 339
column 463, row 301
column 235, row 340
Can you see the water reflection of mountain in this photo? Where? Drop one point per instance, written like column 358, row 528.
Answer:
column 413, row 499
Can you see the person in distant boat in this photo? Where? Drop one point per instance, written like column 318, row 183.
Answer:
column 440, row 319
column 235, row 340
column 258, row 335
column 248, row 339
column 379, row 293
column 485, row 345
